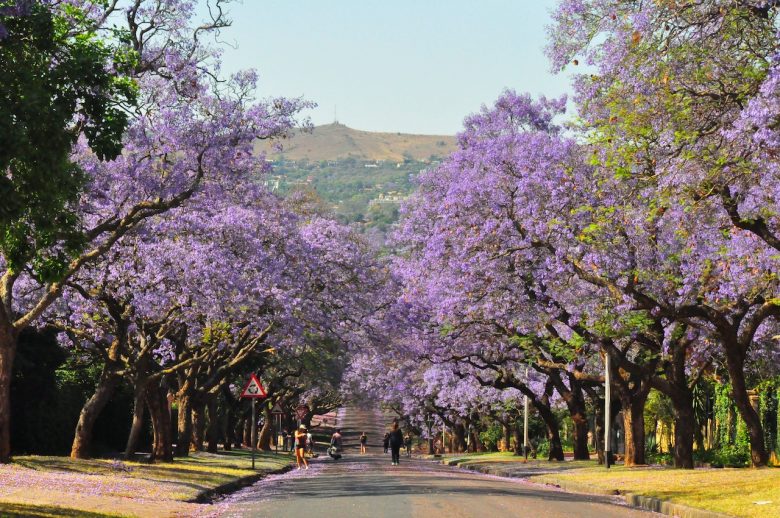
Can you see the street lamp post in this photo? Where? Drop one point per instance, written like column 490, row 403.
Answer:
column 526, row 446
column 607, row 412
column 429, row 424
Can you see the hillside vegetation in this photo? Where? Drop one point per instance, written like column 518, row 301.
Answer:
column 337, row 142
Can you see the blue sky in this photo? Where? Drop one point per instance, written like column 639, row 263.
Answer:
column 394, row 65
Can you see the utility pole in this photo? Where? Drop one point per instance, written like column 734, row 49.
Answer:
column 607, row 412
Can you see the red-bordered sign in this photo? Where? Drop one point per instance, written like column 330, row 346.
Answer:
column 302, row 411
column 254, row 388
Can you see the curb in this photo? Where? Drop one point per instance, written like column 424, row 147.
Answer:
column 208, row 496
column 638, row 501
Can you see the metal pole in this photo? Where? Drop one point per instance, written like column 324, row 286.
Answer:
column 607, row 412
column 254, row 430
column 525, row 420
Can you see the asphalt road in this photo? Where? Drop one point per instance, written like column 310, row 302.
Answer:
column 369, row 486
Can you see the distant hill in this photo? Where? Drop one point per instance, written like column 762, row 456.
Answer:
column 337, row 142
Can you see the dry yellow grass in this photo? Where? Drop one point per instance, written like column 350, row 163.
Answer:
column 752, row 493
column 744, row 492
column 336, row 141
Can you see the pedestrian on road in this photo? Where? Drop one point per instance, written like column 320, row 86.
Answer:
column 386, row 441
column 309, row 443
column 336, row 440
column 300, row 447
column 363, row 441
column 335, row 445
column 396, row 440
column 408, row 444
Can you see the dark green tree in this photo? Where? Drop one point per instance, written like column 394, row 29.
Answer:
column 58, row 81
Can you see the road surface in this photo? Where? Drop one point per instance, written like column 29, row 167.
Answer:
column 369, row 486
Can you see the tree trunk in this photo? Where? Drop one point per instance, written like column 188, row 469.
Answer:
column 157, row 402
column 735, row 361
column 227, row 429
column 107, row 384
column 507, row 437
column 238, row 432
column 266, row 432
column 478, row 446
column 634, row 430
column 198, row 424
column 184, row 425
column 139, row 405
column 553, row 434
column 459, row 432
column 8, row 342
column 580, row 436
column 248, row 432
column 598, row 430
column 212, row 432
column 684, row 424
column 698, row 437
column 518, row 438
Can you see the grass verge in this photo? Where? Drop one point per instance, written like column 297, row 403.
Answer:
column 750, row 493
column 744, row 492
column 60, row 486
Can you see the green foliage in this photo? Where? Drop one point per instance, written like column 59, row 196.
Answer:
column 543, row 449
column 728, row 456
column 491, row 436
column 663, row 459
column 732, row 443
column 49, row 388
column 355, row 193
column 658, row 413
column 724, row 415
column 57, row 84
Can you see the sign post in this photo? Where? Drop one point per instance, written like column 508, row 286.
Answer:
column 254, row 389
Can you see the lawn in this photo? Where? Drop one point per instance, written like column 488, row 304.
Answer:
column 59, row 486
column 735, row 491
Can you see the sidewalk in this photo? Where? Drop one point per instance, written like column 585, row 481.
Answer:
column 700, row 493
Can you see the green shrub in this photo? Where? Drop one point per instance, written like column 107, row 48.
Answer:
column 491, row 437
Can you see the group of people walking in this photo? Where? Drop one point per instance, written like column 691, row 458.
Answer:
column 393, row 441
column 302, row 443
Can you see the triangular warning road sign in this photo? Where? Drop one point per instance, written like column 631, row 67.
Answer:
column 254, row 388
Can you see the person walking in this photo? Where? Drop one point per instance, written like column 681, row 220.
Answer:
column 396, row 440
column 336, row 440
column 408, row 444
column 309, row 443
column 335, row 445
column 363, row 441
column 386, row 441
column 300, row 447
